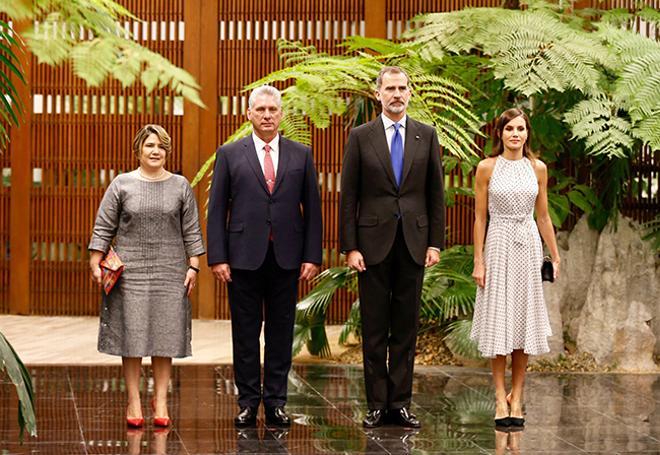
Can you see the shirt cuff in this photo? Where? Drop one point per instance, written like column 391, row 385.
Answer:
column 434, row 248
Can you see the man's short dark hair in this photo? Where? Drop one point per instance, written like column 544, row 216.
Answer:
column 390, row 70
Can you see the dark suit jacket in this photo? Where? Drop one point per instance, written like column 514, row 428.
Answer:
column 371, row 203
column 242, row 212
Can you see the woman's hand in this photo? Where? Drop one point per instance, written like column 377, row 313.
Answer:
column 191, row 281
column 97, row 276
column 555, row 267
column 479, row 274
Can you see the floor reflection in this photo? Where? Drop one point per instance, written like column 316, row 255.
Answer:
column 80, row 410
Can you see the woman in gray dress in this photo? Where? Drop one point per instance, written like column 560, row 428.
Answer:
column 151, row 216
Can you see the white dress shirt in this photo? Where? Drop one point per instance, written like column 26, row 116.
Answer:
column 388, row 123
column 261, row 153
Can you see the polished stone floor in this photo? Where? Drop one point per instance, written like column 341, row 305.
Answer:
column 80, row 410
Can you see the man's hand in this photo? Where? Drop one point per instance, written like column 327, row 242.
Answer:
column 355, row 261
column 308, row 271
column 222, row 272
column 432, row 257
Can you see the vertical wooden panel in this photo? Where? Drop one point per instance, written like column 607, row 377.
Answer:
column 19, row 211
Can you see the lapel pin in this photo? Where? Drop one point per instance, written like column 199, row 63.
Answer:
column 417, row 137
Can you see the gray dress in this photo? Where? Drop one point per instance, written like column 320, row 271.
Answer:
column 155, row 227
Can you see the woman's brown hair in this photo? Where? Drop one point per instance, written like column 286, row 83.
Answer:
column 506, row 117
column 145, row 132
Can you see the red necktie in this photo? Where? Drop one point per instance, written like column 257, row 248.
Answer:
column 269, row 169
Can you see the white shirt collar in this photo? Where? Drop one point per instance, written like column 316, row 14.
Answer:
column 259, row 144
column 388, row 122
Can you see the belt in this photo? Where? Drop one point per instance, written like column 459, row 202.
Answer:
column 520, row 225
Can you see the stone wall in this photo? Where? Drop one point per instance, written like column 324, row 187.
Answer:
column 607, row 298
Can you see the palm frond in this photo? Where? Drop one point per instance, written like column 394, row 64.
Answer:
column 20, row 377
column 353, row 324
column 311, row 310
column 458, row 339
column 11, row 105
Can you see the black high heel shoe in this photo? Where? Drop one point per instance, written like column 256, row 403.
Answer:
column 517, row 421
column 503, row 422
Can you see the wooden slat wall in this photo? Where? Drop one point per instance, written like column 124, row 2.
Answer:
column 80, row 137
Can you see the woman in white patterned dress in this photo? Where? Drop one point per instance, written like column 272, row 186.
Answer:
column 510, row 316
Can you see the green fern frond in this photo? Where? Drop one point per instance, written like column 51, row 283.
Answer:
column 596, row 121
column 638, row 88
column 532, row 51
column 109, row 54
column 293, row 52
column 207, row 168
column 648, row 131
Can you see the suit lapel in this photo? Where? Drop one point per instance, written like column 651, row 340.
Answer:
column 378, row 143
column 282, row 163
column 251, row 155
column 410, row 147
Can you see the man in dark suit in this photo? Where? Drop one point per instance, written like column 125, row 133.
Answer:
column 264, row 234
column 392, row 225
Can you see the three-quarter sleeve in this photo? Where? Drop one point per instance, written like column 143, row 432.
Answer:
column 107, row 219
column 192, row 233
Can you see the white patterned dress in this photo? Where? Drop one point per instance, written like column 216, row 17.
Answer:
column 510, row 311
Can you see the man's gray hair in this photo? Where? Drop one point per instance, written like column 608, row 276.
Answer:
column 392, row 70
column 265, row 90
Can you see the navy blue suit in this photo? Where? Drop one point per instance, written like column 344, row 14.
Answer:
column 264, row 238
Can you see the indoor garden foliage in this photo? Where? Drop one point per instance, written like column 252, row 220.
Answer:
column 591, row 87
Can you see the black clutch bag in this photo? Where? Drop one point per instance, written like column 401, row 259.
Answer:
column 547, row 270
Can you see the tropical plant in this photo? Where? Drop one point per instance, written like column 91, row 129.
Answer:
column 590, row 87
column 11, row 364
column 448, row 293
column 88, row 34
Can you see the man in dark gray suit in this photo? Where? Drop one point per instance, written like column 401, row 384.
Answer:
column 264, row 234
column 392, row 225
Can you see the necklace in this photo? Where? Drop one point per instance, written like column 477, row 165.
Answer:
column 158, row 177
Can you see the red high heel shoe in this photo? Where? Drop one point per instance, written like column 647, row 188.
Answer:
column 134, row 423
column 160, row 421
column 137, row 422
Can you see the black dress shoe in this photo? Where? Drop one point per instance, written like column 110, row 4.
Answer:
column 247, row 417
column 404, row 418
column 374, row 418
column 277, row 416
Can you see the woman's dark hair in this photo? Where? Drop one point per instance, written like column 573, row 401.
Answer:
column 506, row 117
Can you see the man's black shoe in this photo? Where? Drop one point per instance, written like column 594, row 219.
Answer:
column 277, row 416
column 247, row 417
column 374, row 418
column 404, row 418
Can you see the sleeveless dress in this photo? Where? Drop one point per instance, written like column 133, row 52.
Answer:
column 510, row 311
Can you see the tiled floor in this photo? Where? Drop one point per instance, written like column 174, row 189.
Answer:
column 80, row 410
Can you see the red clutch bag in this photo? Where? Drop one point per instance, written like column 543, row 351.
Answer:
column 111, row 269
